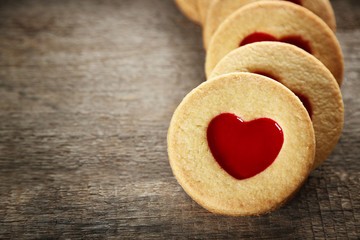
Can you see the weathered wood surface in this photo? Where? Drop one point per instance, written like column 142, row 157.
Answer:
column 87, row 90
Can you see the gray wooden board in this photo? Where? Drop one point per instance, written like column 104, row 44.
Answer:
column 87, row 90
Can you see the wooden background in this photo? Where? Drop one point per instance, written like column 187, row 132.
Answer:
column 87, row 90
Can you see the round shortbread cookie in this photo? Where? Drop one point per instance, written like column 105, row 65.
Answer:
column 190, row 9
column 221, row 9
column 303, row 74
column 250, row 97
column 281, row 20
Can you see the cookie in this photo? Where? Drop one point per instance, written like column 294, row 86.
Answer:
column 195, row 10
column 221, row 9
column 277, row 21
column 190, row 9
column 203, row 6
column 303, row 74
column 241, row 144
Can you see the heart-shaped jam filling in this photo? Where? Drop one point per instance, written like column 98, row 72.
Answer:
column 244, row 149
column 260, row 37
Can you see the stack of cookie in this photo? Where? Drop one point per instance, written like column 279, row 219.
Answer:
column 244, row 141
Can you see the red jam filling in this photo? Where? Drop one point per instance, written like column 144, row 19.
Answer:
column 295, row 1
column 297, row 41
column 305, row 101
column 244, row 149
column 260, row 37
column 257, row 37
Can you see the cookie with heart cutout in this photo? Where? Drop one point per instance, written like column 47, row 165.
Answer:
column 277, row 21
column 221, row 9
column 241, row 144
column 303, row 74
column 190, row 9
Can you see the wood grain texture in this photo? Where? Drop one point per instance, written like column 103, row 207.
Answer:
column 87, row 90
